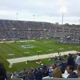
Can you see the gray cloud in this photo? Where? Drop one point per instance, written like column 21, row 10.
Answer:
column 39, row 8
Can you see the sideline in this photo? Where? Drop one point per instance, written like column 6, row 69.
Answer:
column 36, row 57
column 17, row 41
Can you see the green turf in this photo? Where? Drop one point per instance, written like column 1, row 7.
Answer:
column 14, row 50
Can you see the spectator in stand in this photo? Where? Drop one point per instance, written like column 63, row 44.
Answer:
column 26, row 76
column 30, row 75
column 54, row 66
column 35, row 70
column 70, row 72
column 50, row 71
column 70, row 60
column 55, row 58
column 46, row 72
column 38, row 74
column 78, row 59
column 57, row 73
column 60, row 57
column 42, row 71
column 3, row 75
column 78, row 71
column 63, row 67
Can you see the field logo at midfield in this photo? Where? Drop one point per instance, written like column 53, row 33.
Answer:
column 27, row 46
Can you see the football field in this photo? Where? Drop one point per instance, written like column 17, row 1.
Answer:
column 30, row 48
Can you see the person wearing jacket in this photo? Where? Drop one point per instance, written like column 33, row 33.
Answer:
column 70, row 72
column 38, row 74
column 70, row 60
column 30, row 75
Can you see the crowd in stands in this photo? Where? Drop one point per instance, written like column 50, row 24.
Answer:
column 23, row 29
column 26, row 29
column 68, row 69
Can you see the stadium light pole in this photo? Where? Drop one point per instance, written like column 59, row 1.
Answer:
column 17, row 16
column 63, row 11
column 33, row 17
column 62, row 18
column 79, row 22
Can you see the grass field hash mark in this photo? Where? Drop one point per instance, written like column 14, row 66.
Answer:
column 14, row 51
column 6, row 51
column 2, row 55
column 16, row 47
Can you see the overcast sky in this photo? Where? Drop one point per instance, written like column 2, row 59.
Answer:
column 40, row 10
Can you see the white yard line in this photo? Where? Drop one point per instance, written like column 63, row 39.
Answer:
column 5, row 51
column 22, row 59
column 2, row 54
column 14, row 51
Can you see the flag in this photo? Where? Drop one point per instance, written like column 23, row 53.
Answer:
column 55, row 30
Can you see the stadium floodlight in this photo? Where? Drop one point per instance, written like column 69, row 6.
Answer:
column 63, row 11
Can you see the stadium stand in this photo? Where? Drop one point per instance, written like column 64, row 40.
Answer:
column 29, row 30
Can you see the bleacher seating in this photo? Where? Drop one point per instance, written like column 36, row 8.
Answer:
column 26, row 29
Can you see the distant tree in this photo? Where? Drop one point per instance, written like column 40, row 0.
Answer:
column 74, row 25
column 66, row 24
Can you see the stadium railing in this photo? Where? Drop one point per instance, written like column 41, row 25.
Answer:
column 61, row 79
